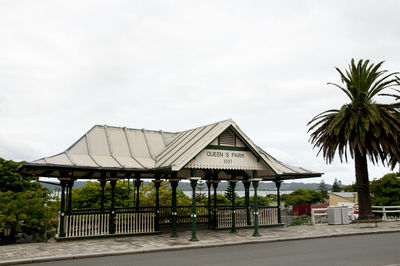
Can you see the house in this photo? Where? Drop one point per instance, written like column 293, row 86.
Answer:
column 343, row 198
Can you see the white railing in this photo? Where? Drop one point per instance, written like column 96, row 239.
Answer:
column 267, row 216
column 224, row 218
column 81, row 225
column 241, row 217
column 134, row 223
column 385, row 210
column 318, row 212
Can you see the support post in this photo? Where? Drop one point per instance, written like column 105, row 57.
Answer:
column 384, row 213
column 103, row 185
column 70, row 185
column 113, row 182
column 138, row 182
column 255, row 182
column 209, row 182
column 233, row 185
column 129, row 189
column 246, row 184
column 215, row 222
column 278, row 194
column 193, row 183
column 157, row 184
column 134, row 193
column 174, row 213
column 62, row 209
column 66, row 196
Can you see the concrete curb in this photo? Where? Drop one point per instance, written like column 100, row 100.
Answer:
column 182, row 247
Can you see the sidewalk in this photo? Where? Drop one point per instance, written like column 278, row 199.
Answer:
column 40, row 252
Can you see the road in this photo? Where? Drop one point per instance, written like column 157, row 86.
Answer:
column 376, row 249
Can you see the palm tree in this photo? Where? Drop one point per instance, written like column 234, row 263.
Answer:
column 362, row 127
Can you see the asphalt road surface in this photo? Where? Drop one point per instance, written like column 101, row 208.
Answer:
column 376, row 249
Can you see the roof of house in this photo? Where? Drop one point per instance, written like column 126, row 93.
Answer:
column 348, row 195
column 107, row 147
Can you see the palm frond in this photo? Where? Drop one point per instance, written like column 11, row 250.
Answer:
column 363, row 125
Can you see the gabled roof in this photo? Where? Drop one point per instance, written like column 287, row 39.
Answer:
column 105, row 147
column 346, row 195
column 188, row 144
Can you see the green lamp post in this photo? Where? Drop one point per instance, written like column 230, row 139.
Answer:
column 193, row 183
column 255, row 182
column 174, row 212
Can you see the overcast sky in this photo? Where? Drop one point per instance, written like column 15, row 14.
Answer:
column 175, row 65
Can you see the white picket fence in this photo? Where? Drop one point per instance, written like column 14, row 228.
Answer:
column 134, row 223
column 241, row 217
column 266, row 216
column 224, row 218
column 81, row 225
column 387, row 211
column 87, row 225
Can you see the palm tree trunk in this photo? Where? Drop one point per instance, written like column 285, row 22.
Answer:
column 364, row 201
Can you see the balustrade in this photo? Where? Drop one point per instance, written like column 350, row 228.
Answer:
column 266, row 216
column 134, row 223
column 82, row 225
column 91, row 222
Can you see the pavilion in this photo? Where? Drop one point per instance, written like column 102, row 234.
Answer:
column 215, row 152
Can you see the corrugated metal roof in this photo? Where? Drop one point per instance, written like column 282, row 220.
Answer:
column 281, row 168
column 349, row 195
column 114, row 147
column 139, row 149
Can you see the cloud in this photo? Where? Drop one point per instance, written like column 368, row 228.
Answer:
column 173, row 65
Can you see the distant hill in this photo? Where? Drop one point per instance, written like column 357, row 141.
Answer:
column 222, row 186
column 77, row 184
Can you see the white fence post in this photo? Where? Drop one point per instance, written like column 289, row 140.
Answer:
column 312, row 217
column 384, row 213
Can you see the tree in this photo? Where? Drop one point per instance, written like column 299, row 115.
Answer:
column 25, row 205
column 301, row 196
column 363, row 127
column 200, row 196
column 12, row 180
column 323, row 189
column 221, row 200
column 148, row 195
column 229, row 192
column 27, row 211
column 89, row 195
column 262, row 201
column 350, row 188
column 386, row 190
column 336, row 187
column 272, row 198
